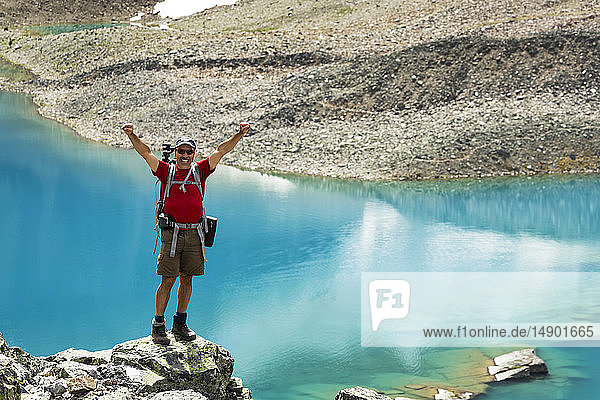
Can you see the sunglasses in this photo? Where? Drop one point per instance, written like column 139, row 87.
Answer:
column 182, row 151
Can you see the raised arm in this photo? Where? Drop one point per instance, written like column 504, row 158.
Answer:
column 142, row 148
column 227, row 146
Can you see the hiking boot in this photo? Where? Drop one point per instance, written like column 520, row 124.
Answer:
column 182, row 332
column 159, row 334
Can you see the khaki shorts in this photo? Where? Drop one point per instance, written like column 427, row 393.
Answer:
column 188, row 254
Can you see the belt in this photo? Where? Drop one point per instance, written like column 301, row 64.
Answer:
column 177, row 227
column 187, row 227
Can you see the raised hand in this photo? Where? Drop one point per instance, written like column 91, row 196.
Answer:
column 245, row 128
column 128, row 129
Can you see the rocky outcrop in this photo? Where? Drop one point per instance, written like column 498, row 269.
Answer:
column 520, row 364
column 16, row 368
column 137, row 369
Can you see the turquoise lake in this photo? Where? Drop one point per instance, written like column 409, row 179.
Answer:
column 58, row 29
column 282, row 283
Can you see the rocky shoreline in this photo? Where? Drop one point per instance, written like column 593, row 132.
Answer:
column 353, row 94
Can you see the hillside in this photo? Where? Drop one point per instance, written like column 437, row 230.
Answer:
column 401, row 90
column 45, row 12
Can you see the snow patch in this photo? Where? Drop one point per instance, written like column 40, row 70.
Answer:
column 137, row 17
column 182, row 8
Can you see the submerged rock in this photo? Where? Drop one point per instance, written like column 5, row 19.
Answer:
column 137, row 369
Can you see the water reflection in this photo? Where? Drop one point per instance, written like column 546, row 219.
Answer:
column 561, row 206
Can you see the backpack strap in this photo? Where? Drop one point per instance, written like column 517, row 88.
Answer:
column 170, row 178
column 198, row 182
column 160, row 204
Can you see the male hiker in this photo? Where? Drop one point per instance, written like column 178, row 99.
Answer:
column 182, row 248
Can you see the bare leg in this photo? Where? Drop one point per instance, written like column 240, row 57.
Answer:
column 163, row 293
column 184, row 293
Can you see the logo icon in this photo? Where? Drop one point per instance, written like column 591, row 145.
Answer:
column 389, row 299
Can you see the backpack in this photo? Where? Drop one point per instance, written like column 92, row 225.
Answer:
column 164, row 221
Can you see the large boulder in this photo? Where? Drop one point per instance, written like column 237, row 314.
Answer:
column 199, row 365
column 137, row 369
column 520, row 364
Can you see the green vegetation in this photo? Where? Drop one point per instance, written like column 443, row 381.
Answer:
column 13, row 72
column 263, row 29
column 345, row 11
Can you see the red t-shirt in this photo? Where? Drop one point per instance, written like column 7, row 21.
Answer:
column 185, row 207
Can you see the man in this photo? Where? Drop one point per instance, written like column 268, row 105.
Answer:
column 183, row 203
